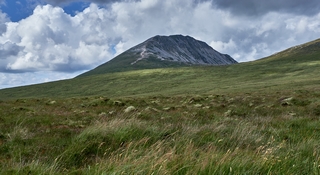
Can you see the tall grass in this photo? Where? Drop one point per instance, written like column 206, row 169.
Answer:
column 273, row 133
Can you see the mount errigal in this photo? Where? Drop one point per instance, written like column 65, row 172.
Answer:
column 183, row 49
column 164, row 51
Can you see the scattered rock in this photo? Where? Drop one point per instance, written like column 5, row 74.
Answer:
column 211, row 96
column 118, row 103
column 287, row 101
column 80, row 111
column 198, row 105
column 155, row 102
column 129, row 109
column 102, row 114
column 168, row 108
column 228, row 113
column 152, row 109
column 51, row 102
column 231, row 100
column 195, row 99
column 104, row 99
column 292, row 114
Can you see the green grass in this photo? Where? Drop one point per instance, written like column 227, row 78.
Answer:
column 273, row 74
column 261, row 117
column 123, row 62
column 251, row 133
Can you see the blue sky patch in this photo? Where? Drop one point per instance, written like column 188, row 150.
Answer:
column 75, row 7
column 17, row 10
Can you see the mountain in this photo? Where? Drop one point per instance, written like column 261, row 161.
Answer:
column 164, row 51
column 296, row 69
column 180, row 48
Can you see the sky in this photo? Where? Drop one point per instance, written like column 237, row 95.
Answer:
column 49, row 40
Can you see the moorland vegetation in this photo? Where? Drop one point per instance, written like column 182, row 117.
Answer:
column 260, row 117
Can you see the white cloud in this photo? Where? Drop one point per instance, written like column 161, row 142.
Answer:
column 27, row 78
column 51, row 40
column 224, row 46
column 3, row 20
column 303, row 25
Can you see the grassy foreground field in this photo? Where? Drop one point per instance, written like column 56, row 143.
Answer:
column 252, row 133
column 260, row 117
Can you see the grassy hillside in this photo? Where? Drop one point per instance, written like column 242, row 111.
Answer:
column 260, row 117
column 123, row 62
column 278, row 72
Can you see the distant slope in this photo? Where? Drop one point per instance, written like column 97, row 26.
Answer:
column 307, row 48
column 162, row 52
column 297, row 68
column 302, row 56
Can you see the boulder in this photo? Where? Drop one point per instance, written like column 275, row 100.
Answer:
column 129, row 109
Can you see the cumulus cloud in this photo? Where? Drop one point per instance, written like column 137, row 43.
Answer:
column 244, row 37
column 52, row 40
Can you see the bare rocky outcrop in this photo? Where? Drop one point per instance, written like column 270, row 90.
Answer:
column 179, row 48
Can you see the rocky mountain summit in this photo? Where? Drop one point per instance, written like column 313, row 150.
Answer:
column 180, row 48
column 162, row 52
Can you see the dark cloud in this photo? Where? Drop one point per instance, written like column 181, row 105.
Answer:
column 258, row 8
column 9, row 49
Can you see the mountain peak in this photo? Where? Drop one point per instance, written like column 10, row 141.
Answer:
column 164, row 51
column 179, row 48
